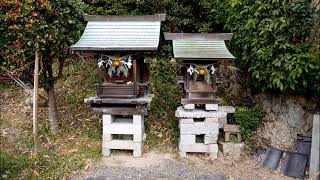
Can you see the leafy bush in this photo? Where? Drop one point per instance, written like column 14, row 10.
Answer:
column 249, row 120
column 270, row 42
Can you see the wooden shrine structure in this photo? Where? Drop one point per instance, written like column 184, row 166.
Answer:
column 198, row 54
column 119, row 43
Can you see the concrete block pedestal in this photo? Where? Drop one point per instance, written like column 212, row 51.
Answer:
column 123, row 133
column 199, row 129
column 205, row 132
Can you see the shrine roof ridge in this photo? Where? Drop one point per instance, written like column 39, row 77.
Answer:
column 155, row 17
column 198, row 36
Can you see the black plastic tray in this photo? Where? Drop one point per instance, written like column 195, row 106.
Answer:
column 271, row 158
column 294, row 164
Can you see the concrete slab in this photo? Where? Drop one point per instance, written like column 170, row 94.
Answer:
column 227, row 109
column 187, row 139
column 212, row 149
column 198, row 147
column 186, row 121
column 122, row 128
column 189, row 106
column 211, row 139
column 198, row 113
column 211, row 120
column 137, row 147
column 198, row 128
column 211, row 107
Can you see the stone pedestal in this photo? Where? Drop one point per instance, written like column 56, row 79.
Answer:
column 199, row 129
column 231, row 148
column 123, row 133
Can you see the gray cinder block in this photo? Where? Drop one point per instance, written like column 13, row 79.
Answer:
column 106, row 137
column 212, row 149
column 138, row 120
column 189, row 106
column 107, row 119
column 211, row 120
column 210, row 139
column 187, row 139
column 222, row 122
column 211, row 107
column 186, row 121
column 137, row 147
column 199, row 128
column 211, row 116
column 198, row 113
column 122, row 128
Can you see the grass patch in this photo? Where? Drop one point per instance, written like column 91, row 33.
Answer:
column 76, row 147
column 4, row 87
column 10, row 165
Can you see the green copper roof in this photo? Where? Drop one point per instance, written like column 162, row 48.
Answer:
column 206, row 46
column 196, row 49
column 113, row 33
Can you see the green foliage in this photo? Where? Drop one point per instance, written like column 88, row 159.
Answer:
column 269, row 42
column 10, row 165
column 50, row 26
column 249, row 120
column 161, row 123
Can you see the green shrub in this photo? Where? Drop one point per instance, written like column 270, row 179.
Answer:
column 269, row 43
column 249, row 120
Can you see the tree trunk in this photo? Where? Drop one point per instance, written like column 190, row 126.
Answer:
column 314, row 31
column 316, row 25
column 53, row 115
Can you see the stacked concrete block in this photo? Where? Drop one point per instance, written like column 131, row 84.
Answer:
column 123, row 133
column 208, row 130
column 200, row 125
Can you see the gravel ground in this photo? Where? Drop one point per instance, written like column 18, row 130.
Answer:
column 168, row 169
column 169, row 166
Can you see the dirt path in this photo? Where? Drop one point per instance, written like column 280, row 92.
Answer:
column 169, row 166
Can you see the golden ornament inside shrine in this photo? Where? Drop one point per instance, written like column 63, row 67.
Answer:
column 116, row 63
column 202, row 72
